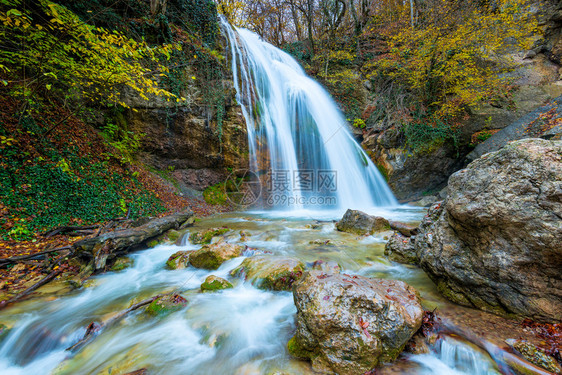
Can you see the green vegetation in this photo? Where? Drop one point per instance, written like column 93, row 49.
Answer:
column 215, row 194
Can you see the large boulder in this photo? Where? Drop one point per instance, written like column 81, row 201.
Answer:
column 496, row 242
column 358, row 222
column 350, row 324
column 270, row 272
column 211, row 256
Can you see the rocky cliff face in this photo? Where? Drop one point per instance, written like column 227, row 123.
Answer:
column 194, row 144
column 496, row 241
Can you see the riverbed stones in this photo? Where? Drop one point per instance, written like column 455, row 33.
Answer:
column 270, row 272
column 206, row 236
column 358, row 222
column 349, row 324
column 534, row 355
column 179, row 260
column 213, row 283
column 496, row 242
column 211, row 256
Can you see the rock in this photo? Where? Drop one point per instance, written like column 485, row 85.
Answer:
column 348, row 325
column 141, row 371
column 166, row 305
column 401, row 249
column 426, row 201
column 206, row 236
column 418, row 345
column 212, row 256
column 326, row 267
column 179, row 260
column 122, row 263
column 4, row 330
column 496, row 242
column 405, row 229
column 358, row 222
column 325, row 243
column 534, row 355
column 270, row 272
column 213, row 283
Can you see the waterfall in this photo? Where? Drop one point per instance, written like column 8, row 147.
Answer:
column 298, row 138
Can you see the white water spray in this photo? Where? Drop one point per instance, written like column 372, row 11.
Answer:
column 297, row 133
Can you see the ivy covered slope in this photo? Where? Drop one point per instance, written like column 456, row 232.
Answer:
column 87, row 88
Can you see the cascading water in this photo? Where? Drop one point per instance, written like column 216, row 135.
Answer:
column 297, row 134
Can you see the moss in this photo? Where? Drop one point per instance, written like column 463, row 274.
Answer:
column 213, row 283
column 207, row 260
column 152, row 243
column 122, row 263
column 205, row 237
column 166, row 305
column 215, row 194
column 178, row 260
column 298, row 351
column 4, row 330
column 383, row 171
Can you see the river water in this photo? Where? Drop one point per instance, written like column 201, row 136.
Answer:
column 242, row 330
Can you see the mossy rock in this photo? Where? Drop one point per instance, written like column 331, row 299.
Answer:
column 298, row 351
column 211, row 256
column 170, row 236
column 166, row 305
column 178, row 260
column 270, row 272
column 213, row 283
column 122, row 263
column 535, row 355
column 206, row 236
column 4, row 330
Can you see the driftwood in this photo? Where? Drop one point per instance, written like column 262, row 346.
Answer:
column 32, row 288
column 6, row 261
column 109, row 245
column 94, row 329
column 507, row 362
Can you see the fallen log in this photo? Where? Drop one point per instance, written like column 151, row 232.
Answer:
column 6, row 261
column 109, row 245
column 94, row 329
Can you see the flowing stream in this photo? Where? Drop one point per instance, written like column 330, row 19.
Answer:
column 242, row 330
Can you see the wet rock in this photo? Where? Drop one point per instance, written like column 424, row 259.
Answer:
column 270, row 272
column 122, row 263
column 534, row 355
column 141, row 371
column 166, row 304
column 325, row 243
column 405, row 229
column 326, row 267
column 4, row 330
column 211, row 256
column 358, row 222
column 418, row 345
column 496, row 242
column 426, row 201
column 213, row 283
column 350, row 324
column 179, row 260
column 401, row 249
column 170, row 236
column 206, row 236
